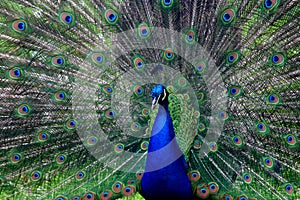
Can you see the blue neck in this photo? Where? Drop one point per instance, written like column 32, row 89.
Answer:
column 165, row 171
column 162, row 130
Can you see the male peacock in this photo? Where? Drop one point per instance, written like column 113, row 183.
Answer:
column 79, row 77
column 164, row 159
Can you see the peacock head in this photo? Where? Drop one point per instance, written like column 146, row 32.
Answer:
column 159, row 95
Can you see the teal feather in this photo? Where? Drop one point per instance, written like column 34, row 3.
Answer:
column 75, row 98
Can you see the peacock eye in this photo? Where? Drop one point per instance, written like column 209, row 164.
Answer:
column 58, row 61
column 288, row 188
column 197, row 144
column 80, row 175
column 60, row 159
column 92, row 140
column 194, row 175
column 117, row 187
column 232, row 57
column 167, row 3
column 129, row 190
column 67, row 19
column 223, row 115
column 144, row 32
column 20, row 26
column 107, row 194
column 60, row 96
column 262, row 128
column 227, row 16
column 17, row 72
column 25, row 109
column 135, row 126
column 35, row 176
column 144, row 145
column 119, row 148
column 213, row 146
column 111, row 16
column 97, row 58
column 200, row 67
column 268, row 162
column 278, row 59
column 16, row 158
column 270, row 5
column 273, row 99
column 60, row 198
column 168, row 54
column 70, row 124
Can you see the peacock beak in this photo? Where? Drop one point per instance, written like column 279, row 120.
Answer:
column 154, row 103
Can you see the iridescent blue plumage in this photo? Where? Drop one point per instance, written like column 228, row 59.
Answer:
column 165, row 171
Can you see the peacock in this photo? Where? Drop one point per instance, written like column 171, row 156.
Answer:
column 149, row 99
